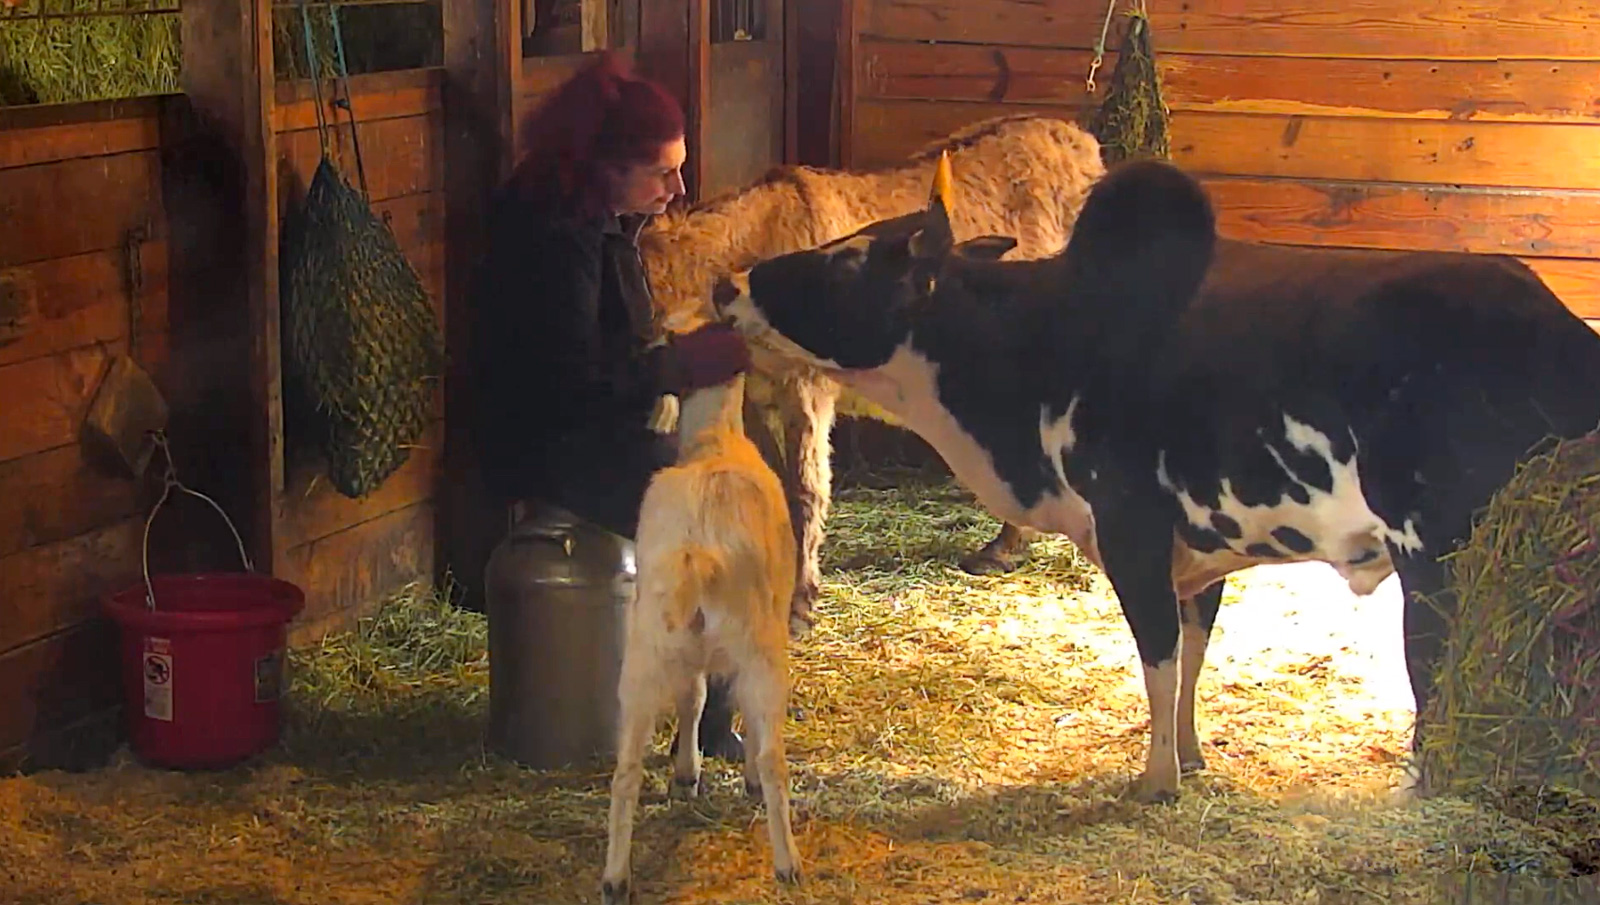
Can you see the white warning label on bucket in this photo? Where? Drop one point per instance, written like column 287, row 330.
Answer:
column 158, row 679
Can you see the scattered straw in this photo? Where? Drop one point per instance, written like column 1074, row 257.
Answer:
column 1517, row 698
column 957, row 739
column 87, row 57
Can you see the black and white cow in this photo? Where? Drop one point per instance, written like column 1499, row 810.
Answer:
column 1183, row 406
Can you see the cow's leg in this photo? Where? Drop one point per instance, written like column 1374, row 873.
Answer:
column 641, row 690
column 1004, row 553
column 1136, row 547
column 1199, row 614
column 1422, row 578
column 808, row 483
column 762, row 688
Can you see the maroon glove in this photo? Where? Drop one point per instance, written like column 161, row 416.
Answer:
column 704, row 357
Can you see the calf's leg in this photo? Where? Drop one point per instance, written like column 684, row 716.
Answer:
column 686, row 759
column 1199, row 614
column 808, row 483
column 1422, row 577
column 763, row 689
column 641, row 691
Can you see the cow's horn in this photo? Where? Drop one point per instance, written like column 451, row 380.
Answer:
column 942, row 184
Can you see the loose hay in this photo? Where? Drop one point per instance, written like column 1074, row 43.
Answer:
column 957, row 738
column 1517, row 698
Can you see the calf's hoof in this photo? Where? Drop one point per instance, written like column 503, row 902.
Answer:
column 726, row 746
column 688, row 788
column 1192, row 763
column 1148, row 792
column 789, row 876
column 615, row 892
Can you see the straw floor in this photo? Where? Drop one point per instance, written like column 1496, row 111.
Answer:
column 956, row 739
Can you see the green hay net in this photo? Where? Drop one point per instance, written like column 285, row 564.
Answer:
column 361, row 337
column 1132, row 120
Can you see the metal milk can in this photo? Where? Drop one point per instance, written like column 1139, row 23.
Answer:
column 556, row 589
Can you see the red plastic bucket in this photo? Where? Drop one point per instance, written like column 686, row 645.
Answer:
column 202, row 673
column 202, row 656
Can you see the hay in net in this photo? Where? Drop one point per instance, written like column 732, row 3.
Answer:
column 64, row 51
column 1132, row 120
column 1518, row 688
column 362, row 339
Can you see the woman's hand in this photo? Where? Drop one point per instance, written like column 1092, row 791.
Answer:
column 704, row 357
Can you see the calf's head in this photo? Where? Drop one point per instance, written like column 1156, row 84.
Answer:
column 848, row 304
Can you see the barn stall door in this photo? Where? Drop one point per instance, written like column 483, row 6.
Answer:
column 744, row 107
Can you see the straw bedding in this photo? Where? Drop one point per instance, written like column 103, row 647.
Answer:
column 955, row 739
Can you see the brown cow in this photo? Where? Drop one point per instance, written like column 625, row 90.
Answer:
column 1024, row 176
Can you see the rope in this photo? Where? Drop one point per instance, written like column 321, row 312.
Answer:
column 170, row 482
column 1100, row 45
column 316, row 74
column 344, row 76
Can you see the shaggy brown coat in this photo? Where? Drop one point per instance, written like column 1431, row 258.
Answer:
column 1024, row 176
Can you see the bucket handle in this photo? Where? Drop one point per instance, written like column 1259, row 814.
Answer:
column 170, row 481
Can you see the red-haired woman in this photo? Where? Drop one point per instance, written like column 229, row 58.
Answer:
column 562, row 314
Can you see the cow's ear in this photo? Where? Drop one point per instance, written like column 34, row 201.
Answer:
column 986, row 248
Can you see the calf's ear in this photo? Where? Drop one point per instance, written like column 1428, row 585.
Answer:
column 986, row 248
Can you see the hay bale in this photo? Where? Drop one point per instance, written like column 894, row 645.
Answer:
column 1516, row 700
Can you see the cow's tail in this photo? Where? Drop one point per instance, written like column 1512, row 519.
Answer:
column 697, row 575
column 1137, row 255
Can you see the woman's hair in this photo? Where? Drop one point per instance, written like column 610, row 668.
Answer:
column 604, row 117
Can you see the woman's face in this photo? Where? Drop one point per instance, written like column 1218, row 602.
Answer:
column 647, row 188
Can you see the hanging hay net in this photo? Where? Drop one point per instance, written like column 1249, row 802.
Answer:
column 1132, row 120
column 362, row 340
column 1518, row 689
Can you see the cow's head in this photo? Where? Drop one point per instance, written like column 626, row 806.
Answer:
column 848, row 304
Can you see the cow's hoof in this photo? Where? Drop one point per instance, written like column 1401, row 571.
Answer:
column 1192, row 763
column 615, row 893
column 752, row 788
column 1153, row 793
column 789, row 877
column 984, row 562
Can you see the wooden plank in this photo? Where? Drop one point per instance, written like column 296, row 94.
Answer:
column 84, row 299
column 314, row 510
column 55, row 495
column 1444, row 29
column 1481, row 91
column 57, row 681
column 1576, row 282
column 20, row 147
column 538, row 76
column 1513, row 155
column 46, row 398
column 55, row 586
column 362, row 562
column 401, row 157
column 417, row 222
column 1398, row 215
column 57, row 210
column 377, row 95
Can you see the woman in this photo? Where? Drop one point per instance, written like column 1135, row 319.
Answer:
column 565, row 384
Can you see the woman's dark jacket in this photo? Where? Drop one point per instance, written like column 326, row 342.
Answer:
column 563, row 384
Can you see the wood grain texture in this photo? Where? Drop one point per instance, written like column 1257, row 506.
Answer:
column 313, row 510
column 83, row 299
column 1398, row 215
column 362, row 562
column 71, row 207
column 46, row 398
column 55, row 586
column 1443, row 29
column 375, row 96
column 56, row 681
column 1577, row 282
column 56, row 494
column 31, row 146
column 1479, row 91
column 401, row 157
column 1542, row 155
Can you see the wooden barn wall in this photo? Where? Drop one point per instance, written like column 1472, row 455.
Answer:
column 1463, row 124
column 348, row 553
column 85, row 224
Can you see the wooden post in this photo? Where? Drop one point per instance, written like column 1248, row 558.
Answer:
column 482, row 58
column 675, row 49
column 225, row 270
